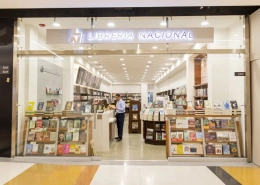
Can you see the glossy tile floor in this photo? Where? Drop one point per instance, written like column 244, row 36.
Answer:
column 132, row 147
column 14, row 173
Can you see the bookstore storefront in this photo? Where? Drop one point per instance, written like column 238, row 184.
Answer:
column 67, row 65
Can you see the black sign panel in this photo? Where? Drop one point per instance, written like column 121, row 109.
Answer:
column 240, row 73
column 4, row 69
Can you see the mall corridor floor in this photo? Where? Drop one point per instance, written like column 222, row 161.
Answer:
column 126, row 173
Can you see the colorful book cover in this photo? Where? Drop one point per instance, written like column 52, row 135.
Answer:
column 207, row 136
column 210, row 149
column 206, row 123
column 197, row 123
column 38, row 136
column 199, row 149
column 174, row 137
column 72, row 148
column 29, row 148
column 35, row 148
column 60, row 149
column 52, row 136
column 233, row 104
column 76, row 123
column 232, row 136
column 220, row 136
column 83, row 125
column 32, row 124
column 186, row 149
column 218, row 124
column 218, row 149
column 68, row 136
column 185, row 123
column 52, row 148
column 63, row 123
column 83, row 149
column 70, row 124
column 162, row 127
column 212, row 124
column 83, row 136
column 40, row 106
column 45, row 123
column 30, row 106
column 199, row 136
column 75, row 136
column 47, row 149
column 207, row 104
column 149, row 133
column 193, row 149
column 213, row 136
column 77, row 149
column 46, row 136
column 158, row 136
column 179, row 136
column 226, row 149
column 53, row 123
column 68, row 105
column 224, row 123
column 157, row 127
column 178, row 123
column 191, row 123
column 174, row 149
column 31, row 136
column 193, row 136
column 163, row 135
column 180, row 149
column 186, row 135
column 226, row 105
column 40, row 148
column 225, row 136
column 233, row 149
column 231, row 124
column 172, row 124
column 38, row 123
column 66, row 148
column 61, row 136
column 49, row 106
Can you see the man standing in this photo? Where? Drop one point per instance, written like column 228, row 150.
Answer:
column 120, row 116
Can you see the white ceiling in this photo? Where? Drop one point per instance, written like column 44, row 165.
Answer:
column 135, row 65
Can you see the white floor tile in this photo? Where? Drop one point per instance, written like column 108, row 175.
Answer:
column 118, row 171
column 9, row 170
column 116, row 180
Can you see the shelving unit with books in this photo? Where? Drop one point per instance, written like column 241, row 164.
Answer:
column 134, row 117
column 58, row 136
column 202, row 135
column 155, row 132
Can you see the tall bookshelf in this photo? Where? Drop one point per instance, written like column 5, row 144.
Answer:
column 134, row 117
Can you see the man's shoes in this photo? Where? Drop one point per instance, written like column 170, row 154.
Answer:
column 116, row 137
column 119, row 139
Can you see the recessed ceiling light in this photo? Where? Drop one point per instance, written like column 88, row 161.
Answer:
column 164, row 68
column 204, row 23
column 171, row 58
column 160, row 71
column 163, row 23
column 121, row 59
column 111, row 24
column 124, row 68
column 81, row 48
column 104, row 70
column 95, row 62
column 236, row 35
column 168, row 64
column 100, row 66
column 147, row 66
column 123, row 64
column 146, row 70
column 151, row 55
column 125, row 71
column 149, row 62
column 56, row 24
column 89, row 56
column 155, row 47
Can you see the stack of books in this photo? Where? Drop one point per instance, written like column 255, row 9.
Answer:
column 57, row 109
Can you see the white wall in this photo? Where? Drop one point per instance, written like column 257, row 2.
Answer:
column 126, row 88
column 255, row 57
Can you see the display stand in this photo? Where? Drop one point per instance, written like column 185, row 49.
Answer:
column 206, row 142
column 134, row 117
column 154, row 132
column 54, row 145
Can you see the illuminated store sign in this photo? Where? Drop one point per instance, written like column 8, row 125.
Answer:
column 84, row 36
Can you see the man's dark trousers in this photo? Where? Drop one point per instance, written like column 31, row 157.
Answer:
column 120, row 117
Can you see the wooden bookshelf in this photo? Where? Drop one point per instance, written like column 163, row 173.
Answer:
column 132, row 113
column 152, row 125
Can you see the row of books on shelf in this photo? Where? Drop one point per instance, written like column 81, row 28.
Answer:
column 186, row 149
column 207, row 123
column 225, row 149
column 158, row 135
column 201, row 92
column 187, row 135
column 79, row 97
column 181, row 90
column 86, row 78
column 49, row 149
column 53, row 91
column 225, row 136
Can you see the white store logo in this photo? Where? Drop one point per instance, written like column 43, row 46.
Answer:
column 75, row 36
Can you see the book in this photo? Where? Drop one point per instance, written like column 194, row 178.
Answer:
column 210, row 149
column 162, row 127
column 233, row 104
column 61, row 136
column 224, row 123
column 40, row 106
column 197, row 123
column 199, row 149
column 225, row 136
column 226, row 149
column 185, row 123
column 83, row 125
column 157, row 127
column 199, row 136
column 45, row 123
column 68, row 136
column 31, row 136
column 70, row 124
column 212, row 124
column 76, row 123
column 193, row 149
column 206, row 123
column 38, row 123
column 232, row 136
column 179, row 136
column 135, row 116
column 207, row 104
column 218, row 149
column 191, row 123
column 72, row 149
column 213, row 136
column 83, row 149
column 149, row 133
column 60, row 149
column 75, row 136
column 207, row 136
column 216, row 105
column 193, row 136
column 226, row 105
column 158, row 136
column 199, row 104
column 77, row 149
column 172, row 124
column 46, row 136
column 63, row 123
column 233, row 149
column 186, row 135
column 174, row 137
column 68, row 105
column 40, row 148
column 52, row 149
column 38, row 136
column 186, row 149
column 52, row 136
column 219, row 136
column 47, row 149
column 231, row 124
column 66, row 149
column 180, row 149
column 87, row 109
column 30, row 106
column 134, row 125
column 49, row 106
column 83, row 136
column 35, row 148
column 174, row 149
column 53, row 123
column 134, row 107
column 29, row 148
column 218, row 124
column 163, row 135
column 32, row 124
column 178, row 123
